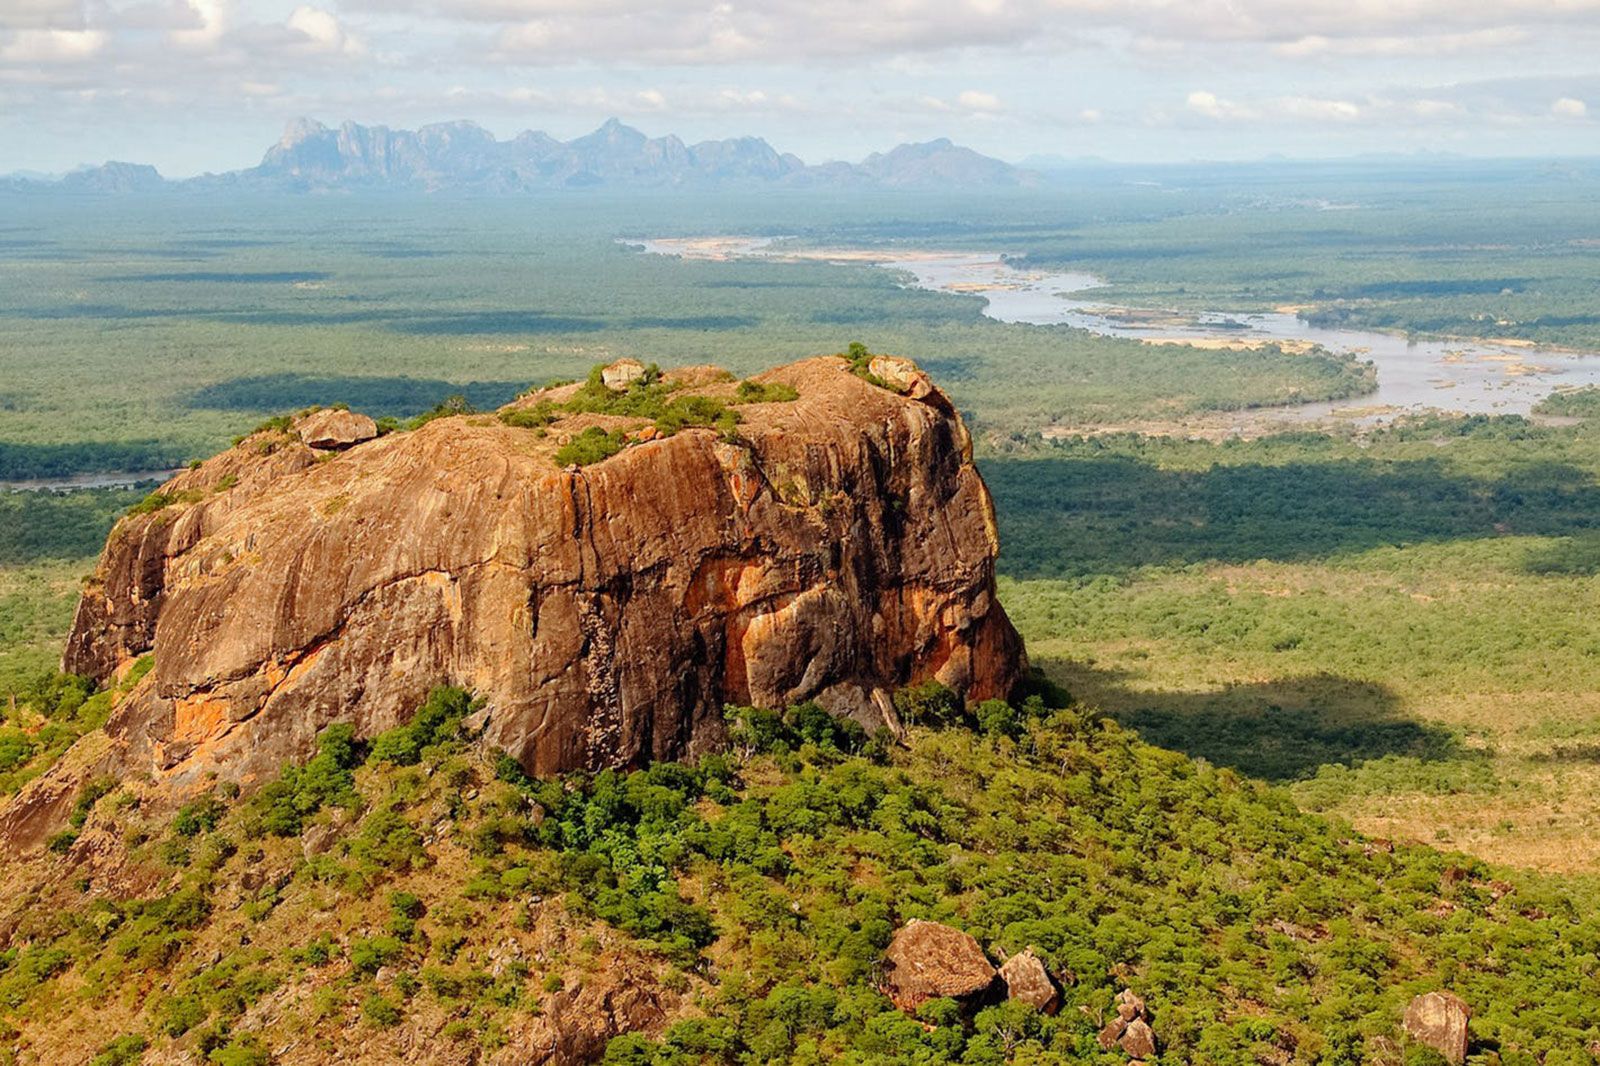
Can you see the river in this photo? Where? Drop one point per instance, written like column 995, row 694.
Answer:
column 1461, row 376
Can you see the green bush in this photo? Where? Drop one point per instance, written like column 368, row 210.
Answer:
column 687, row 412
column 282, row 806
column 446, row 408
column 591, row 446
column 755, row 730
column 179, row 1014
column 931, row 704
column 16, row 748
column 123, row 1051
column 370, row 954
column 999, row 718
column 159, row 501
column 200, row 816
column 245, row 1050
column 535, row 417
column 769, row 392
column 380, row 1011
column 58, row 695
column 437, row 722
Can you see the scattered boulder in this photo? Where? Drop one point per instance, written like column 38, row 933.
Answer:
column 903, row 375
column 622, row 373
column 1112, row 1032
column 1439, row 1020
column 318, row 840
column 1129, row 1029
column 330, row 429
column 575, row 1024
column 927, row 960
column 1028, row 982
column 1138, row 1040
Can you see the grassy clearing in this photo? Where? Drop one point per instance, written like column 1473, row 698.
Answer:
column 1401, row 629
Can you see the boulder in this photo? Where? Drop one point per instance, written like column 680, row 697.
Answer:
column 1028, row 982
column 841, row 547
column 622, row 373
column 927, row 960
column 1112, row 1032
column 575, row 1024
column 318, row 840
column 332, row 430
column 1439, row 1020
column 1129, row 1027
column 1138, row 1040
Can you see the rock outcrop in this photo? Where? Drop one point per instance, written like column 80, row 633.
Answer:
column 1439, row 1021
column 837, row 546
column 576, row 1024
column 1028, row 982
column 927, row 960
column 332, row 429
column 1129, row 1028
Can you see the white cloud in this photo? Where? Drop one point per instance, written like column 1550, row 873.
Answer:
column 207, row 22
column 41, row 14
column 707, row 31
column 1434, row 109
column 973, row 100
column 1422, row 44
column 52, row 46
column 1569, row 107
column 1281, row 108
column 322, row 31
column 1209, row 104
column 1307, row 107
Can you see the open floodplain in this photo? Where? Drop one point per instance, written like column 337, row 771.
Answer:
column 1387, row 610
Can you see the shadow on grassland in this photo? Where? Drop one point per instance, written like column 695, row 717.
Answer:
column 1282, row 730
column 378, row 396
column 1081, row 514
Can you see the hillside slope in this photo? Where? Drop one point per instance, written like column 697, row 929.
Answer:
column 415, row 899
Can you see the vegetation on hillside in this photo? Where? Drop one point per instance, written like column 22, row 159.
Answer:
column 767, row 883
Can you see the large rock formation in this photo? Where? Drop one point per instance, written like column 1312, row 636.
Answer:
column 928, row 960
column 1028, row 982
column 840, row 545
column 1439, row 1021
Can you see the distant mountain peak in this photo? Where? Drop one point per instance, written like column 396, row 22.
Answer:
column 114, row 176
column 300, row 129
column 464, row 156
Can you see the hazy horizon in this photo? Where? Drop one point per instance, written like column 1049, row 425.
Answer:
column 205, row 85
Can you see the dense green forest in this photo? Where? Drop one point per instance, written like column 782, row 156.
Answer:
column 760, row 889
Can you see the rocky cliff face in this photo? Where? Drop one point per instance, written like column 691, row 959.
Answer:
column 835, row 547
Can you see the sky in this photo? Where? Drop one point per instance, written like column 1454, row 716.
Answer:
column 208, row 85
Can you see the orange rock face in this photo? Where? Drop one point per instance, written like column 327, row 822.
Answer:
column 841, row 546
column 928, row 960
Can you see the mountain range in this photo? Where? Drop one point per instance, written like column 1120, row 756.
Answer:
column 464, row 157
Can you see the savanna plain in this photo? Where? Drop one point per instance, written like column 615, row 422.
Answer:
column 1368, row 645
